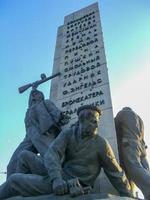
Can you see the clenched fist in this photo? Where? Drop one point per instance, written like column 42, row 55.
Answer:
column 60, row 186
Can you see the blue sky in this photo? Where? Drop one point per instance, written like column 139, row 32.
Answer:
column 27, row 44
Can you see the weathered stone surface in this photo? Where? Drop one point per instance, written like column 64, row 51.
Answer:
column 67, row 197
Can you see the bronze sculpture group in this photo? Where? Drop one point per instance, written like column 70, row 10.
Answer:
column 68, row 161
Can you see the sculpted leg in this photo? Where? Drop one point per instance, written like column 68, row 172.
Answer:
column 135, row 169
column 25, row 145
column 25, row 185
column 30, row 163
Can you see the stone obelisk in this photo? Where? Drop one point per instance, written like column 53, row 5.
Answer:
column 80, row 58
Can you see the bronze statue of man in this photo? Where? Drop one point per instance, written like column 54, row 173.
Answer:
column 43, row 123
column 84, row 153
column 132, row 149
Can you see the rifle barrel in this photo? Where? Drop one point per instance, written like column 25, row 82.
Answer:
column 48, row 78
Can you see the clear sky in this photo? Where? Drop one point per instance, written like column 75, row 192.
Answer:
column 27, row 43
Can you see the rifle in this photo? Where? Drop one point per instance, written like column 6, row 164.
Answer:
column 37, row 83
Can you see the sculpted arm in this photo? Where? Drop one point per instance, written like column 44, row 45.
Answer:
column 53, row 110
column 55, row 153
column 52, row 161
column 58, row 116
column 113, row 170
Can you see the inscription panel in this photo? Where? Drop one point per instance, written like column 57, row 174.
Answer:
column 78, row 83
column 77, row 40
column 97, row 96
column 83, row 58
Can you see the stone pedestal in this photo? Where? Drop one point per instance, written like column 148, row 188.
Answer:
column 67, row 197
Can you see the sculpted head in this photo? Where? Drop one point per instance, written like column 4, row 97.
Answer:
column 36, row 96
column 88, row 119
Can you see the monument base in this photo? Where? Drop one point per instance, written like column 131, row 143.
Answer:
column 67, row 197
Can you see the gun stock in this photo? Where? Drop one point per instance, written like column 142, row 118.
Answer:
column 24, row 88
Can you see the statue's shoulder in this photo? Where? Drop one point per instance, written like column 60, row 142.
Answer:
column 67, row 132
column 71, row 132
column 102, row 141
column 105, row 148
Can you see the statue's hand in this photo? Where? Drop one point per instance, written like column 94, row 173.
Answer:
column 64, row 119
column 60, row 186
